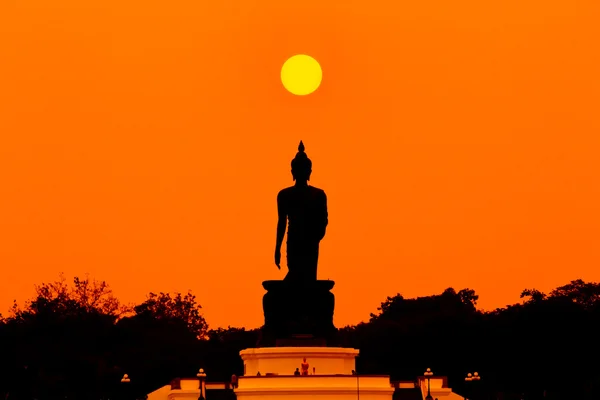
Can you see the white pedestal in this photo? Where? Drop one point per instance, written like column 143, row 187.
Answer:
column 333, row 379
column 285, row 360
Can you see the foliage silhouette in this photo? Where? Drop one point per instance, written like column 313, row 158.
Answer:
column 76, row 342
column 177, row 307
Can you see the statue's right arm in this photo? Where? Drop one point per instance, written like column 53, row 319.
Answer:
column 281, row 221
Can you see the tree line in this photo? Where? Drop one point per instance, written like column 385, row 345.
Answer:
column 77, row 340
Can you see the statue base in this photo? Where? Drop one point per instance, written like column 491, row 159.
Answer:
column 298, row 314
column 330, row 376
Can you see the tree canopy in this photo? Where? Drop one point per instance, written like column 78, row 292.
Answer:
column 76, row 340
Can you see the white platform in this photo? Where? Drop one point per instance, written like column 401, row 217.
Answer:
column 332, row 378
column 285, row 360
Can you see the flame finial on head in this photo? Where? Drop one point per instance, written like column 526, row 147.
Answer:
column 301, row 163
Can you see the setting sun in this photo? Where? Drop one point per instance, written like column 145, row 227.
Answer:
column 301, row 75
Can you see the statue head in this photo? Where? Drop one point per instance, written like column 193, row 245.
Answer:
column 301, row 165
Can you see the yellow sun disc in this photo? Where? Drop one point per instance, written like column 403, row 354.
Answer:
column 301, row 75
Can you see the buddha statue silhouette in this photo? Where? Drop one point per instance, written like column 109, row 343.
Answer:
column 304, row 209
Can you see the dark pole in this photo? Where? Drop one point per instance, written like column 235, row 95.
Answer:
column 428, row 387
column 201, row 375
column 476, row 389
column 125, row 385
column 428, row 374
column 357, row 388
column 357, row 385
column 470, row 378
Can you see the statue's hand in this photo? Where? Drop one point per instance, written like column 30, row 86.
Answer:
column 278, row 258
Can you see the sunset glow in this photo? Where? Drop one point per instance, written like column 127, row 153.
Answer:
column 145, row 143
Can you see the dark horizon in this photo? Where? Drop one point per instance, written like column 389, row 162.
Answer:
column 540, row 345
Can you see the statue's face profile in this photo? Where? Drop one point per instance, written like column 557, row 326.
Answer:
column 301, row 174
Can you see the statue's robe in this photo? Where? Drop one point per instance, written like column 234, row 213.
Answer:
column 306, row 211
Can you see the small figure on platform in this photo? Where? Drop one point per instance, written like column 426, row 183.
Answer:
column 258, row 373
column 234, row 381
column 314, row 371
column 304, row 367
column 297, row 372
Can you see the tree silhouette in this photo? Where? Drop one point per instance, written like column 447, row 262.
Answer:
column 534, row 295
column 178, row 307
column 76, row 341
column 58, row 341
column 580, row 292
column 222, row 351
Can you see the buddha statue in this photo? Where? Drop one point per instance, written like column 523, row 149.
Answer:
column 303, row 210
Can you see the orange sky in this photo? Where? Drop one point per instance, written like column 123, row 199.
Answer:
column 144, row 143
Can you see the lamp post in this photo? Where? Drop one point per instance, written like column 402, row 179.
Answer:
column 125, row 386
column 201, row 376
column 428, row 374
column 471, row 378
column 357, row 386
column 355, row 372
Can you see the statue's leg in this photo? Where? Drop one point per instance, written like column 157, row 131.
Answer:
column 292, row 262
column 302, row 261
column 312, row 258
